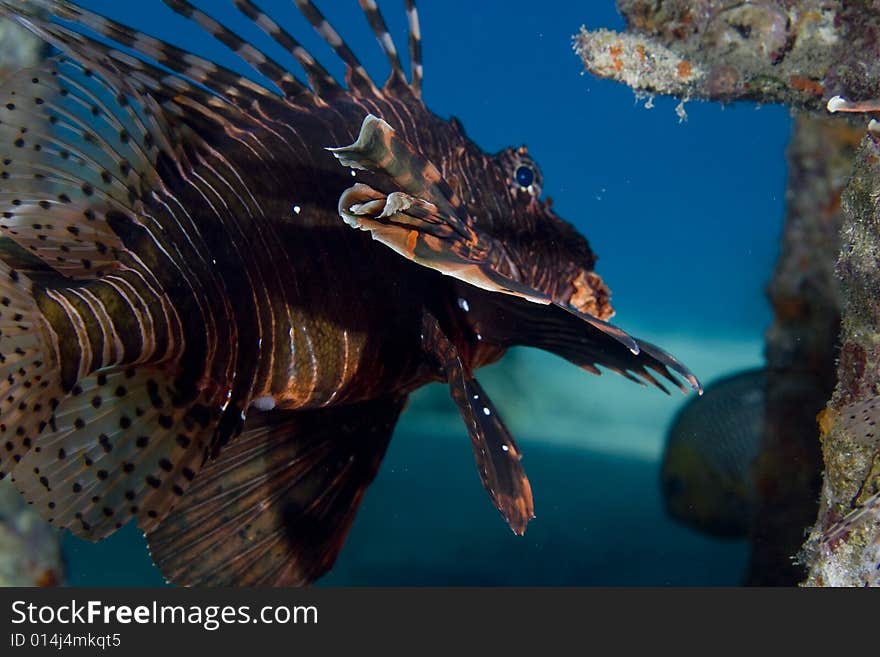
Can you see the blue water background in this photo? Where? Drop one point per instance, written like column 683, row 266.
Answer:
column 685, row 218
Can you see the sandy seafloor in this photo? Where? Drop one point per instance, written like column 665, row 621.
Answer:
column 685, row 218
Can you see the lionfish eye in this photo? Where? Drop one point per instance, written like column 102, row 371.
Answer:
column 525, row 176
column 520, row 172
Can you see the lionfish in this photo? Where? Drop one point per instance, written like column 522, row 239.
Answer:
column 222, row 291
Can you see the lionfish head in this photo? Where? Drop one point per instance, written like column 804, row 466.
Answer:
column 477, row 217
column 544, row 251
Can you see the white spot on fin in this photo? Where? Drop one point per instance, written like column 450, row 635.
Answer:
column 264, row 403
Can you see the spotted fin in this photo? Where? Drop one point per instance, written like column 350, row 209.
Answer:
column 495, row 452
column 275, row 506
column 426, row 222
column 30, row 378
column 122, row 445
column 70, row 156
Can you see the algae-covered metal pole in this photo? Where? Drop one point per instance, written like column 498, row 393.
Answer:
column 30, row 550
column 800, row 53
column 846, row 552
column 800, row 348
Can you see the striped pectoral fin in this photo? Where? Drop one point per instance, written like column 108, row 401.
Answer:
column 275, row 506
column 497, row 456
column 121, row 445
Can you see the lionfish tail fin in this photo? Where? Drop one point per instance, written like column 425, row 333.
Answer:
column 30, row 376
column 274, row 507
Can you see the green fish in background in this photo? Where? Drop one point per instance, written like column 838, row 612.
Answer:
column 707, row 476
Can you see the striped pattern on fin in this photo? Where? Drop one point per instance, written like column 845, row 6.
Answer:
column 358, row 79
column 319, row 78
column 259, row 60
column 427, row 223
column 120, row 446
column 380, row 149
column 221, row 81
column 275, row 506
column 72, row 152
column 497, row 457
column 415, row 48
column 386, row 42
column 190, row 76
column 30, row 380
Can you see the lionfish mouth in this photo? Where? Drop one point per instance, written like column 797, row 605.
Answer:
column 590, row 295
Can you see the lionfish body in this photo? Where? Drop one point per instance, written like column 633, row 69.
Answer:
column 222, row 293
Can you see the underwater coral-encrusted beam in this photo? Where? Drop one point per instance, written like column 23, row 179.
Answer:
column 844, row 546
column 771, row 51
column 800, row 345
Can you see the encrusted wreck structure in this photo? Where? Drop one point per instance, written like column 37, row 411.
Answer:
column 825, row 289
